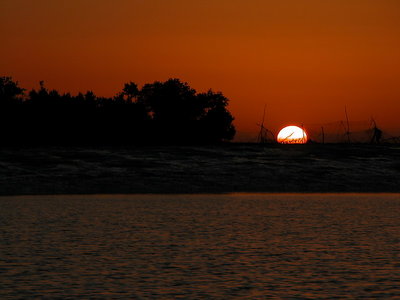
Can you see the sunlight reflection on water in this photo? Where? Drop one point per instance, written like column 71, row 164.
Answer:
column 200, row 246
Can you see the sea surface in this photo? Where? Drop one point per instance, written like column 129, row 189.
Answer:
column 244, row 246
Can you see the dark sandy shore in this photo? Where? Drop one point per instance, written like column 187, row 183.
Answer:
column 195, row 169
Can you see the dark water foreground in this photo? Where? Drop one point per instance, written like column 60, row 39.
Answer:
column 246, row 246
column 207, row 169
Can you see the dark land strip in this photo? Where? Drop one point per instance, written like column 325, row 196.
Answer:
column 200, row 169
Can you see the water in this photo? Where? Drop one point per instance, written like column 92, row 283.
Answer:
column 246, row 246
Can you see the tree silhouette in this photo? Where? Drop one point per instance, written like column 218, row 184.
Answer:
column 11, row 110
column 169, row 101
column 160, row 112
column 216, row 118
column 180, row 114
column 130, row 91
column 10, row 91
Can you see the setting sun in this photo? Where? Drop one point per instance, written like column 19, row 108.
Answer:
column 292, row 135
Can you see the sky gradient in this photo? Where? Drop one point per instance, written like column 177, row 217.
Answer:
column 305, row 60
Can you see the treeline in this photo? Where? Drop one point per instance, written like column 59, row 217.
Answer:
column 169, row 112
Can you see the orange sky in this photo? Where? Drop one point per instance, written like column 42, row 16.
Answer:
column 304, row 59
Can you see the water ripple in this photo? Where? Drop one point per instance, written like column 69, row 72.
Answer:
column 200, row 246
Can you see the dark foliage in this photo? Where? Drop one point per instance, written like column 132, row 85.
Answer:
column 160, row 112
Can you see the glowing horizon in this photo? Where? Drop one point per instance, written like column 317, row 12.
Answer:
column 305, row 59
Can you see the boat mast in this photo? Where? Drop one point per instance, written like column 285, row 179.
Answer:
column 348, row 125
column 262, row 134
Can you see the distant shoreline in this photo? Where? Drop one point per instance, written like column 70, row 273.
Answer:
column 213, row 169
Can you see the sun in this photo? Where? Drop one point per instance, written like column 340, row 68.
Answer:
column 292, row 135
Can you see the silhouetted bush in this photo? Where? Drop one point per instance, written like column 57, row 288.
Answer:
column 160, row 112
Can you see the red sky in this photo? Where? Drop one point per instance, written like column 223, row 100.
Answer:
column 304, row 59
